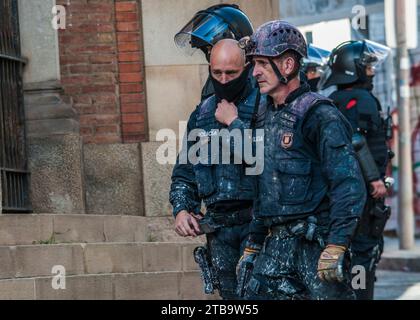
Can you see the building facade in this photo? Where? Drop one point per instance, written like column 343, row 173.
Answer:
column 100, row 79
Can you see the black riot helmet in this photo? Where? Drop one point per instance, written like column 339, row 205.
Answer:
column 348, row 62
column 223, row 21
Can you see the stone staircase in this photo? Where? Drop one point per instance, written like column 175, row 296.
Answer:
column 105, row 257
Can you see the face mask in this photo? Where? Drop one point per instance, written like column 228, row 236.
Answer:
column 231, row 90
column 369, row 83
column 313, row 83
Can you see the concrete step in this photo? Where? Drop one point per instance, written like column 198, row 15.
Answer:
column 82, row 228
column 98, row 258
column 161, row 229
column 44, row 228
column 129, row 286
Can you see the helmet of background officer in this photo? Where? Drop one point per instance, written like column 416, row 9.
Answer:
column 353, row 63
column 277, row 48
column 313, row 66
column 223, row 21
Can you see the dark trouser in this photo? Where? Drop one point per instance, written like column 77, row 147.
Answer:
column 286, row 269
column 368, row 258
column 226, row 246
column 366, row 250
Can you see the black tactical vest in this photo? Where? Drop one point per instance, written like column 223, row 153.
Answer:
column 292, row 183
column 220, row 182
column 365, row 115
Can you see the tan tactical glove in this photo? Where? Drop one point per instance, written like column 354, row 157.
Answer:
column 331, row 262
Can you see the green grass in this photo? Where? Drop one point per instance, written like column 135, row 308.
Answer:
column 51, row 240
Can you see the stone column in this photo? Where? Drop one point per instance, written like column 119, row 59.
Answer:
column 53, row 139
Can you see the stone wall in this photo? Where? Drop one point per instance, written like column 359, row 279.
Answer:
column 52, row 126
column 54, row 151
column 116, row 185
column 104, row 68
column 84, row 99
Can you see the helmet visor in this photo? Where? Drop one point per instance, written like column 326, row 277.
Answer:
column 316, row 56
column 203, row 30
column 373, row 54
column 313, row 68
column 324, row 82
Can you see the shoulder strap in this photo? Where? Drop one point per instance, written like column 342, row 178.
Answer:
column 206, row 112
column 246, row 108
column 256, row 107
column 307, row 102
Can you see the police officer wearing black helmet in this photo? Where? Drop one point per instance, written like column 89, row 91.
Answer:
column 226, row 191
column 222, row 21
column 352, row 68
column 226, row 188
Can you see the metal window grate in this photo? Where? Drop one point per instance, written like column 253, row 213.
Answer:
column 13, row 162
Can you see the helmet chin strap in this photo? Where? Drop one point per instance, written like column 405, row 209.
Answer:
column 283, row 80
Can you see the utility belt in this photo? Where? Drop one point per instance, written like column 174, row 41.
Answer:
column 307, row 228
column 215, row 220
column 321, row 215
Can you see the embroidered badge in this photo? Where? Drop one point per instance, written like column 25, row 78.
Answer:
column 287, row 140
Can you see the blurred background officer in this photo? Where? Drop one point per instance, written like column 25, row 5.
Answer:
column 352, row 68
column 222, row 21
column 313, row 66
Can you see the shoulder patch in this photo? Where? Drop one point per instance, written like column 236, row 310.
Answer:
column 352, row 103
column 287, row 140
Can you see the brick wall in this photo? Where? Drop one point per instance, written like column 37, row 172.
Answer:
column 131, row 71
column 102, row 69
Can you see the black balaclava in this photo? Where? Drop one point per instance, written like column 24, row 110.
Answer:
column 365, row 81
column 366, row 84
column 313, row 83
column 369, row 83
column 231, row 90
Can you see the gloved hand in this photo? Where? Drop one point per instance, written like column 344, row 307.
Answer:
column 331, row 262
